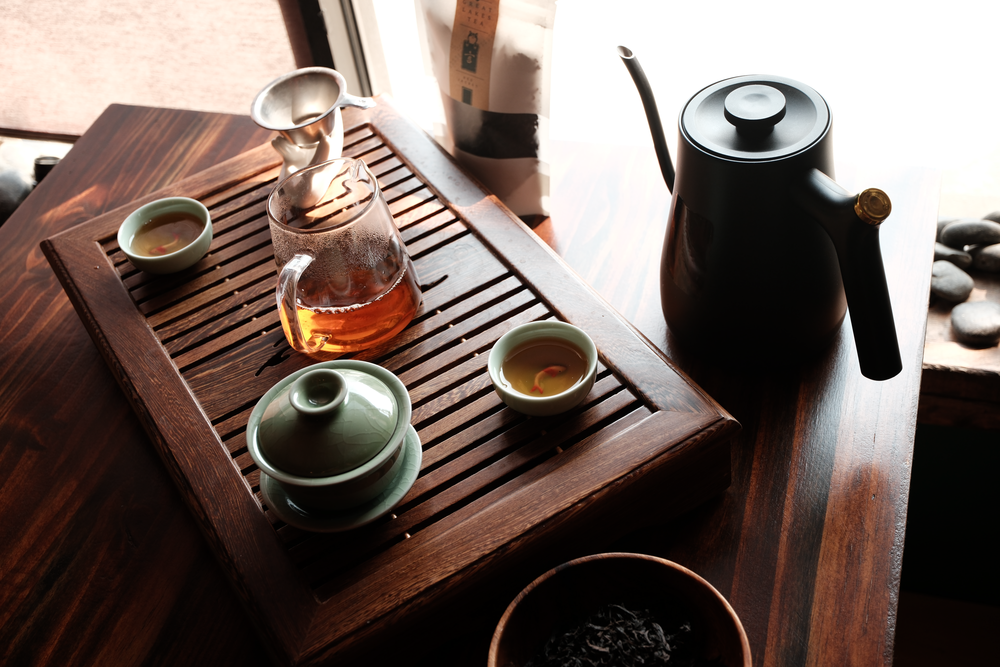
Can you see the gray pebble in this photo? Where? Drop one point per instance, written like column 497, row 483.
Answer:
column 994, row 216
column 976, row 323
column 942, row 223
column 970, row 232
column 950, row 282
column 959, row 258
column 985, row 257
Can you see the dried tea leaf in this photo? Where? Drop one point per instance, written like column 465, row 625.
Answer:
column 618, row 636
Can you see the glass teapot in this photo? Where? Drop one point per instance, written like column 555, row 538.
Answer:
column 345, row 281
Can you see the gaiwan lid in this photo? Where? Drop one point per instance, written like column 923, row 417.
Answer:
column 327, row 422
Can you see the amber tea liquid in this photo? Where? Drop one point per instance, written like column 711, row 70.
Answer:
column 353, row 328
column 544, row 367
column 166, row 233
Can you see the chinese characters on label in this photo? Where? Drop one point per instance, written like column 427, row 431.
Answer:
column 472, row 51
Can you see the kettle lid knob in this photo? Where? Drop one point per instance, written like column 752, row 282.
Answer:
column 755, row 109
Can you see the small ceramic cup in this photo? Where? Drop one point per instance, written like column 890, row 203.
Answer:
column 180, row 259
column 535, row 331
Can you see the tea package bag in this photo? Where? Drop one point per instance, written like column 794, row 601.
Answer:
column 492, row 61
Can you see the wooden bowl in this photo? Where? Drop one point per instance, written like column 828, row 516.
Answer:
column 563, row 597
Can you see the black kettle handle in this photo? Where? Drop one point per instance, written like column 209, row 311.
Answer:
column 853, row 225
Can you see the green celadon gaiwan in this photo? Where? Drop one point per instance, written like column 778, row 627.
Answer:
column 328, row 422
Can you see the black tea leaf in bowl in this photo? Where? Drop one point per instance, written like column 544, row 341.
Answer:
column 619, row 609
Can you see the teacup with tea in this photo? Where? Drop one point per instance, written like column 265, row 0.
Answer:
column 166, row 235
column 543, row 368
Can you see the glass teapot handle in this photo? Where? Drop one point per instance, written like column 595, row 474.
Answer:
column 288, row 282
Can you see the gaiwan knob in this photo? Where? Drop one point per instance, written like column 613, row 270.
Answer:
column 328, row 422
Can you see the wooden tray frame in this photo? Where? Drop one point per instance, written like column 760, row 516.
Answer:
column 660, row 448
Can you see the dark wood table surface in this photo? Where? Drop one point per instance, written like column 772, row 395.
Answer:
column 102, row 564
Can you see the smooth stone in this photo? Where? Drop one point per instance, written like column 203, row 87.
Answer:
column 970, row 232
column 985, row 257
column 959, row 258
column 950, row 282
column 994, row 216
column 941, row 224
column 976, row 323
column 944, row 221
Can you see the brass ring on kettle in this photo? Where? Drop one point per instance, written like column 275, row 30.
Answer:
column 873, row 206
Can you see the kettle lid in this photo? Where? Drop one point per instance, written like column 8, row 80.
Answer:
column 755, row 118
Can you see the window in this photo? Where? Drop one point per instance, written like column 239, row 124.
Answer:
column 907, row 85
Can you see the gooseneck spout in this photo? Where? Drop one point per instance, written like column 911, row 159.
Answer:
column 652, row 115
column 852, row 223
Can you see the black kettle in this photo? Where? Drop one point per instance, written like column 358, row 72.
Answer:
column 762, row 246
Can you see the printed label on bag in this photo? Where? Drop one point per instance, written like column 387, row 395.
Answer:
column 471, row 54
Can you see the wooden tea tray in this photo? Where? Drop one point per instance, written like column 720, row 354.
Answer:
column 500, row 496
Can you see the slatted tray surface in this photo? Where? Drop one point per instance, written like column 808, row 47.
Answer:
column 196, row 351
column 459, row 418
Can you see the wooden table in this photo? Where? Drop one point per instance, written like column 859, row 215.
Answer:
column 103, row 564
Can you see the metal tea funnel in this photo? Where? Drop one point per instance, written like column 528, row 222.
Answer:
column 304, row 108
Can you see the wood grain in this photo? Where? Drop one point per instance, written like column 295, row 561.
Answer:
column 102, row 561
column 807, row 542
column 504, row 487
